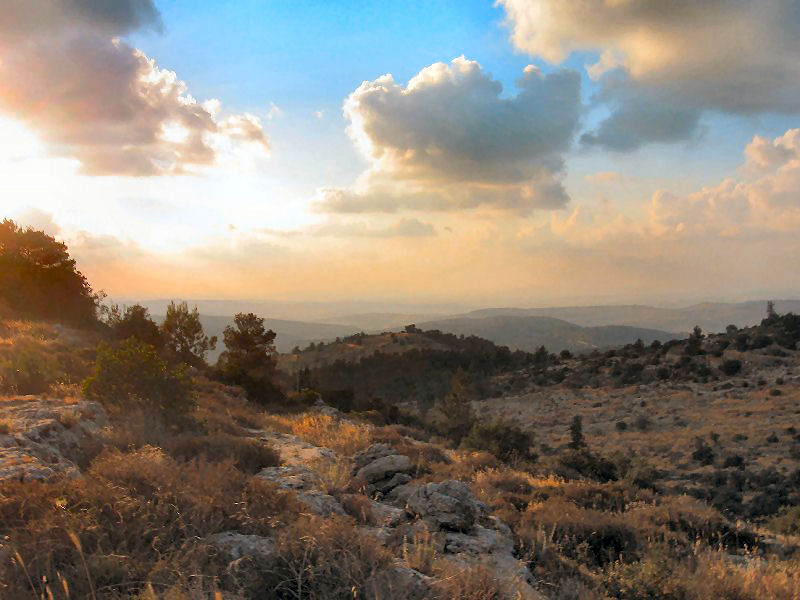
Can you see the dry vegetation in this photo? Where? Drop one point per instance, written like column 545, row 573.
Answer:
column 138, row 522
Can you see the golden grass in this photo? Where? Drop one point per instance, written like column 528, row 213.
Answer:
column 343, row 437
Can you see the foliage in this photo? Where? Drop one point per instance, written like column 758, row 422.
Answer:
column 456, row 417
column 577, row 440
column 503, row 440
column 250, row 358
column 184, row 339
column 29, row 366
column 39, row 279
column 133, row 321
column 133, row 375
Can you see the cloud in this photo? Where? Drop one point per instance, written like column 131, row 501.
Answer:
column 663, row 63
column 403, row 228
column 37, row 219
column 91, row 96
column 22, row 18
column 450, row 140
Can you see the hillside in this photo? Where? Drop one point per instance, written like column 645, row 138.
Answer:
column 695, row 497
column 529, row 333
column 711, row 316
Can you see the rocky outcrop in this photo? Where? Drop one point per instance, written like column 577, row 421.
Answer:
column 233, row 546
column 448, row 505
column 382, row 469
column 39, row 437
column 303, row 482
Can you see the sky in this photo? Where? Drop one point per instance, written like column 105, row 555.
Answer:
column 518, row 152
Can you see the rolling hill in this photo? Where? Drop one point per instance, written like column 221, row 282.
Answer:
column 530, row 332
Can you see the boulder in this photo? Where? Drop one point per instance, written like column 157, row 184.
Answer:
column 385, row 473
column 402, row 582
column 448, row 505
column 303, row 482
column 371, row 454
column 235, row 545
column 385, row 468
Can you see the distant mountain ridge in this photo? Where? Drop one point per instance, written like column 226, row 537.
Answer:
column 574, row 328
column 530, row 332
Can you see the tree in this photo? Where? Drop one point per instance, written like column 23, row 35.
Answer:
column 133, row 375
column 695, row 342
column 184, row 339
column 456, row 407
column 134, row 321
column 250, row 358
column 39, row 279
column 577, row 440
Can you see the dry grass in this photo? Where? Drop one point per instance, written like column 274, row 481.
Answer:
column 707, row 574
column 6, row 425
column 138, row 517
column 343, row 437
column 334, row 474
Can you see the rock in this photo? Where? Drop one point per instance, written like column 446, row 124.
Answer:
column 447, row 505
column 371, row 454
column 237, row 545
column 302, row 481
column 44, row 435
column 480, row 541
column 294, row 451
column 402, row 582
column 320, row 503
column 385, row 468
column 400, row 495
column 387, row 485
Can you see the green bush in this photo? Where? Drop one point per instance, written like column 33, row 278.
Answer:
column 133, row 375
column 504, row 441
column 731, row 367
column 28, row 367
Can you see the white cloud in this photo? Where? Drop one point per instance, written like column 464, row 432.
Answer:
column 450, row 140
column 663, row 63
column 90, row 96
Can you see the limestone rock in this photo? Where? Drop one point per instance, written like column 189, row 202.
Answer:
column 371, row 454
column 448, row 505
column 237, row 545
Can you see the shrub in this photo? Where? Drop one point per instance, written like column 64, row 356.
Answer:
column 703, row 453
column 588, row 464
column 28, row 367
column 505, row 441
column 248, row 454
column 731, row 367
column 133, row 375
column 327, row 559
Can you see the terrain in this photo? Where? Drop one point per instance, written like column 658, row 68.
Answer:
column 244, row 501
column 573, row 328
column 417, row 464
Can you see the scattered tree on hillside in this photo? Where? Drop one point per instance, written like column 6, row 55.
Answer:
column 39, row 279
column 184, row 339
column 577, row 440
column 456, row 407
column 250, row 358
column 695, row 342
column 133, row 321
